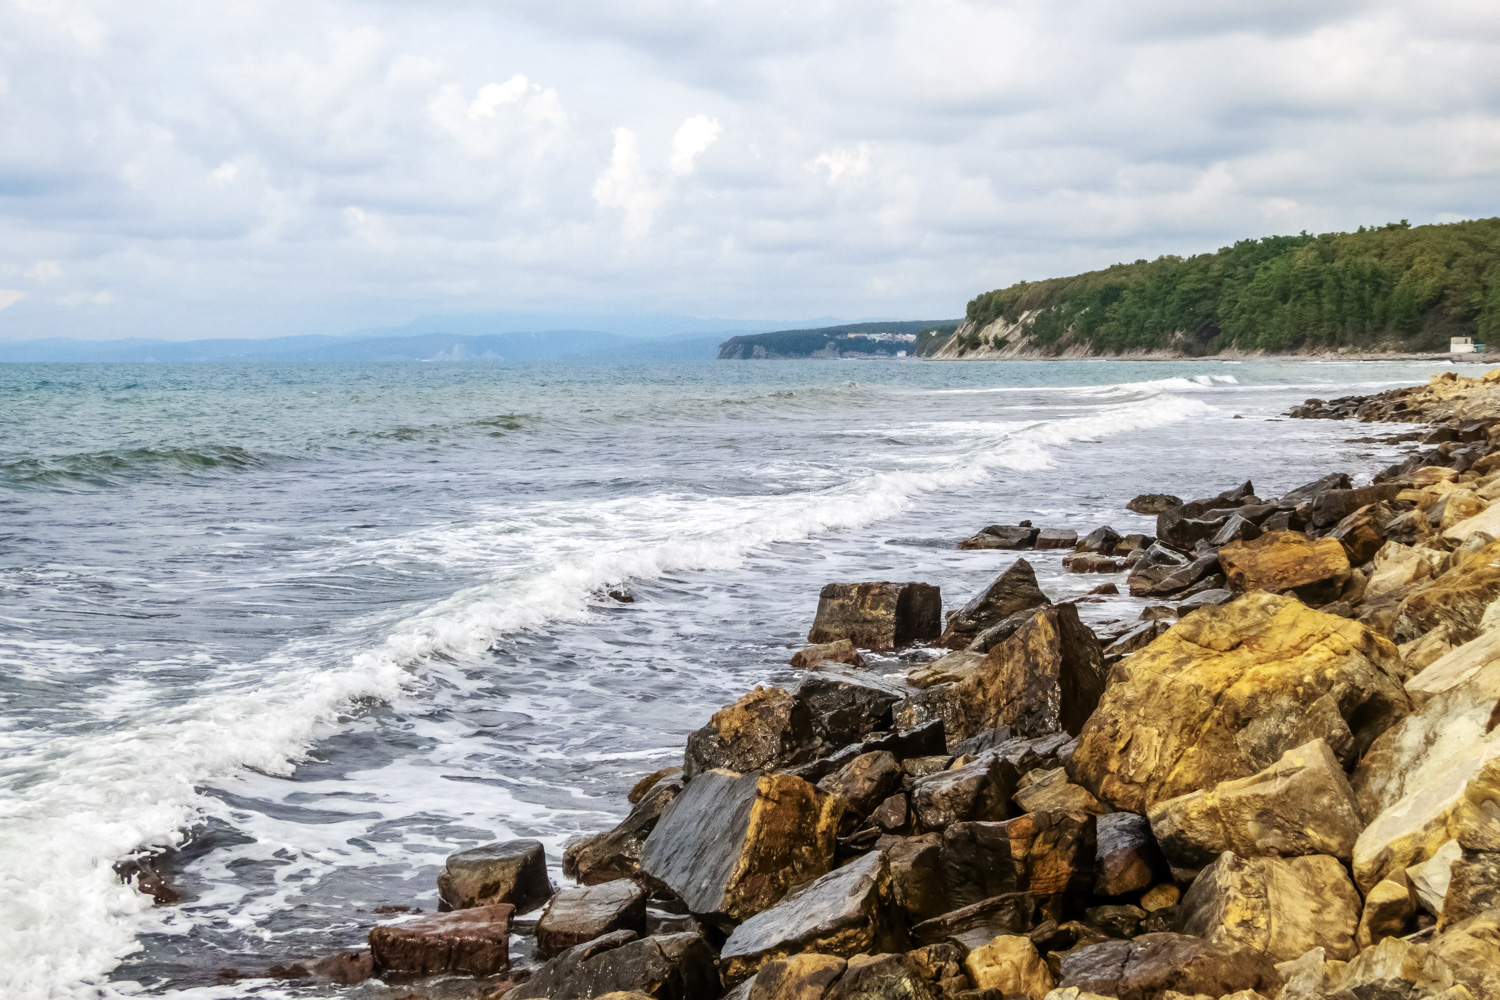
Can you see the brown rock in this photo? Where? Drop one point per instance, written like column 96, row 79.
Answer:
column 731, row 845
column 767, row 728
column 616, row 854
column 1009, row 913
column 1388, row 909
column 838, row 651
column 916, row 865
column 1092, row 562
column 582, row 913
column 639, row 790
column 1153, row 503
column 1470, row 949
column 1160, row 897
column 1049, row 790
column 976, row 862
column 475, row 940
column 513, row 871
column 1230, row 689
column 1287, row 561
column 1052, row 852
column 1302, row 804
column 807, row 976
column 878, row 616
column 1473, row 887
column 1144, row 967
column 1127, row 858
column 844, row 912
column 892, row 815
column 880, row 977
column 664, row 967
column 1457, row 598
column 1279, row 909
column 1363, row 532
column 980, row 790
column 865, row 781
column 1013, row 591
column 1010, row 964
column 346, row 968
column 1056, row 538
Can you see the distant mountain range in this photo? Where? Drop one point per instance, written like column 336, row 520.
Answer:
column 890, row 339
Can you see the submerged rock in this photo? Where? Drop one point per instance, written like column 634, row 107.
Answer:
column 1153, row 503
column 878, row 616
column 731, row 845
column 1013, row 591
column 1229, row 690
column 474, row 940
column 513, row 871
column 1001, row 536
column 838, row 651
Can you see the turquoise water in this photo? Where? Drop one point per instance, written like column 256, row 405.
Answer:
column 318, row 626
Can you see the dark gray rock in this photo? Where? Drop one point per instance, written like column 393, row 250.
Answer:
column 878, row 616
column 512, row 871
column 866, row 781
column 917, row 883
column 976, row 862
column 616, row 854
column 1332, row 506
column 1137, row 638
column 1146, row 966
column 1153, row 503
column 1001, row 536
column 1126, row 855
column 1101, row 540
column 976, row 791
column 582, row 913
column 1236, row 528
column 766, row 729
column 668, row 967
column 1056, row 538
column 1012, row 591
column 1009, row 913
column 1308, row 492
column 845, row 703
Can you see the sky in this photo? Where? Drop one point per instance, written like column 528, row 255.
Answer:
column 265, row 168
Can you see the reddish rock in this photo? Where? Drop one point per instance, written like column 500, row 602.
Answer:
column 475, row 941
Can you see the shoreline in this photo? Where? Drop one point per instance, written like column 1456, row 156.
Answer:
column 993, row 821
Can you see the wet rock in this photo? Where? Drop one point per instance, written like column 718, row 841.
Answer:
column 1184, row 527
column 1126, row 855
column 1001, row 536
column 917, row 878
column 865, row 781
column 1156, row 563
column 1049, row 790
column 731, row 845
column 977, row 791
column 1388, row 910
column 1144, row 967
column 513, row 871
column 1473, row 887
column 1153, row 503
column 1287, row 561
column 846, row 703
column 1101, row 540
column 1047, row 676
column 767, row 728
column 838, row 651
column 1118, row 921
column 1332, row 506
column 1092, row 562
column 616, row 854
column 1457, row 599
column 807, row 976
column 1302, row 804
column 1309, row 492
column 976, row 862
column 346, row 968
column 1052, row 852
column 1139, row 637
column 640, row 789
column 941, row 966
column 881, row 977
column 1202, row 567
column 1009, row 913
column 582, row 913
column 1010, row 964
column 1236, row 528
column 1105, row 589
column 878, row 616
column 1230, row 689
column 845, row 912
column 954, row 666
column 1422, row 782
column 665, row 967
column 1012, row 591
column 474, row 940
column 1279, row 909
column 1056, row 538
column 1212, row 597
column 893, row 815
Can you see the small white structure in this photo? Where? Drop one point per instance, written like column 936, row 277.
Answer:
column 1464, row 345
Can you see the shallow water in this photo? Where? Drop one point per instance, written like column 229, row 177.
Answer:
column 321, row 625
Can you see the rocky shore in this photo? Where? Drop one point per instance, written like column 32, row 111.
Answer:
column 1283, row 781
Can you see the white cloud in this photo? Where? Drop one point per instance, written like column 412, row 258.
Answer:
column 367, row 227
column 842, row 163
column 492, row 95
column 624, row 185
column 44, row 270
column 9, row 297
column 693, row 137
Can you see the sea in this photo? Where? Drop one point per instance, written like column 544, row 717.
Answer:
column 299, row 632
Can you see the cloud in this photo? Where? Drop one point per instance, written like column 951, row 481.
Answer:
column 693, row 137
column 9, row 297
column 840, row 163
column 624, row 185
column 44, row 270
column 492, row 95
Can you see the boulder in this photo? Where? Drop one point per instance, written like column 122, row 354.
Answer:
column 767, row 728
column 843, row 913
column 1460, row 666
column 1388, row 911
column 1273, row 907
column 1394, row 968
column 731, row 845
column 1486, row 521
column 1153, row 503
column 1056, row 538
column 917, row 884
column 1456, row 507
column 976, row 862
column 1302, row 804
column 512, row 871
column 1229, row 690
column 1332, row 506
column 946, row 669
column 1362, row 533
column 1395, row 568
column 838, row 651
column 1308, row 492
column 878, row 616
column 1145, row 967
column 1012, row 591
column 1470, row 950
column 1156, row 563
column 582, row 913
column 798, row 977
column 865, row 781
column 1049, row 790
column 665, row 967
column 881, row 977
column 1203, row 567
column 1092, row 562
column 1457, row 598
column 1001, row 536
column 1236, row 528
column 474, row 940
column 1126, row 856
column 616, row 854
column 942, row 967
column 1425, row 781
column 1101, row 540
column 1139, row 637
column 1473, row 887
column 1287, row 561
column 1052, row 852
column 1010, row 963
column 1008, row 913
column 1047, row 676
column 846, row 703
column 977, row 791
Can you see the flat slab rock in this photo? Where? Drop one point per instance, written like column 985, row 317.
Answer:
column 1146, row 966
column 475, row 941
column 582, row 913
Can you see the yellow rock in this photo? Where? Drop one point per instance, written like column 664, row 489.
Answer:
column 1010, row 963
column 1471, row 949
column 1388, row 908
column 1160, row 897
column 1457, row 598
column 1396, row 567
column 1430, row 475
column 1287, row 561
column 1227, row 691
column 1486, row 519
column 1457, row 667
column 1419, row 654
column 799, row 977
column 1279, row 909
